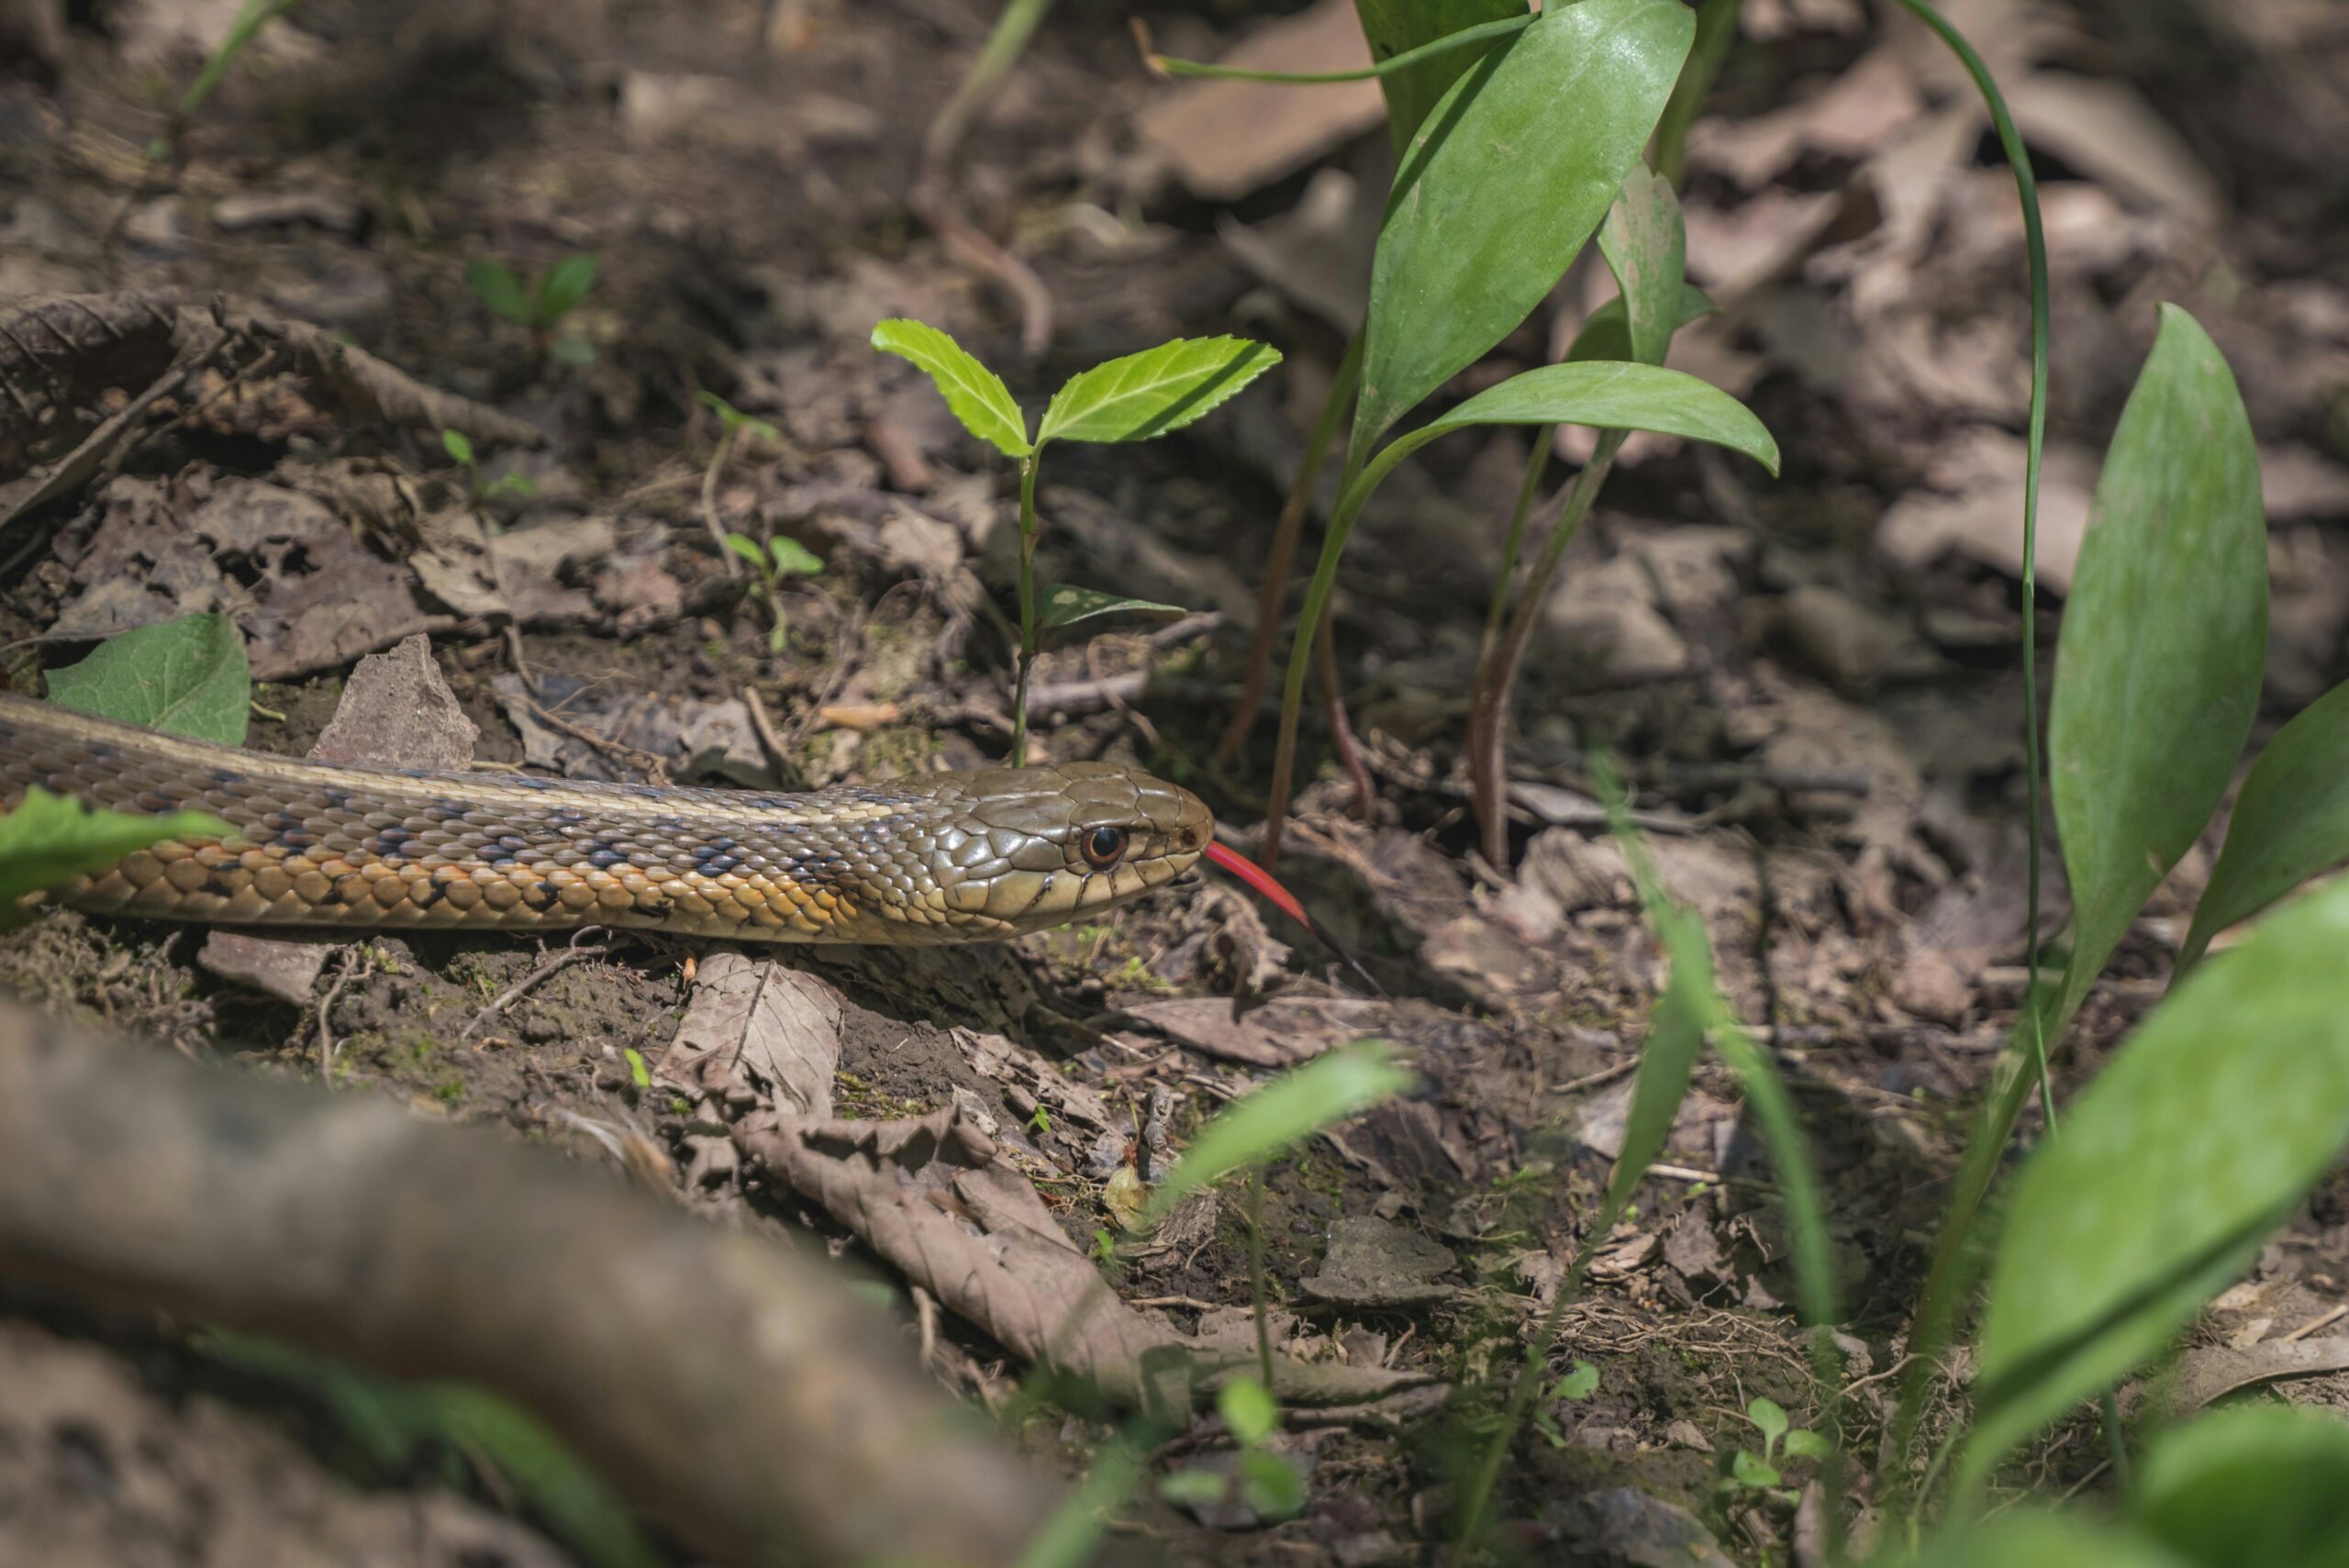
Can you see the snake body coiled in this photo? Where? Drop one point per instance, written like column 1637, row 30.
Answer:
column 942, row 858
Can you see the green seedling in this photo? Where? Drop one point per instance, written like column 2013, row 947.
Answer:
column 460, row 448
column 1261, row 1482
column 1130, row 400
column 543, row 305
column 253, row 15
column 1578, row 1384
column 776, row 562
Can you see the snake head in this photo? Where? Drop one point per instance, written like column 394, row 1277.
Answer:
column 1035, row 846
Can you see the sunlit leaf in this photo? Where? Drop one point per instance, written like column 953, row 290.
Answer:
column 1065, row 607
column 1503, row 184
column 2164, row 640
column 1769, row 1418
column 1158, row 390
column 186, row 677
column 1328, row 1090
column 1248, row 1409
column 1749, row 1471
column 49, row 840
column 2214, row 1120
column 458, row 446
column 2264, row 1484
column 975, row 394
column 793, row 559
column 1579, row 1383
column 1646, row 246
column 2290, row 823
column 1804, row 1444
column 748, row 548
column 1606, row 395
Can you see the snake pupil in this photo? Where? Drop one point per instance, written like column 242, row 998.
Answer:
column 1102, row 845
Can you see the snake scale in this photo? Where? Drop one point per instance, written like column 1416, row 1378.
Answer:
column 953, row 857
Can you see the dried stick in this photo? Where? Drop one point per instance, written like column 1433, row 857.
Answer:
column 739, row 1393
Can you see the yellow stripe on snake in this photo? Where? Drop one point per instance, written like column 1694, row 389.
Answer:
column 942, row 858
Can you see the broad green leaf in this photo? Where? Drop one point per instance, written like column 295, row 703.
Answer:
column 1646, row 246
column 186, row 677
column 494, row 284
column 1769, row 1418
column 1397, row 26
column 974, row 393
column 1502, row 184
column 2290, row 823
column 1248, row 1408
column 793, row 559
column 2264, row 1484
column 458, row 446
column 48, row 840
column 1580, row 1383
column 1805, row 1444
column 2021, row 1540
column 1270, row 1485
column 1065, row 607
column 1324, row 1091
column 563, row 288
column 2163, row 639
column 1609, row 395
column 748, row 548
column 2214, row 1119
column 1158, row 390
column 1748, row 1471
column 1606, row 334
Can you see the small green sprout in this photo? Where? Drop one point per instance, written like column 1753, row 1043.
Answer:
column 1268, row 1486
column 460, row 448
column 1752, row 1473
column 542, row 305
column 779, row 561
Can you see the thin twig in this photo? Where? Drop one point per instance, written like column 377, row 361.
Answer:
column 553, row 964
column 356, row 965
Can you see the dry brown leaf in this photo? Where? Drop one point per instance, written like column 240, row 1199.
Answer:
column 757, row 1034
column 932, row 1196
column 1279, row 1033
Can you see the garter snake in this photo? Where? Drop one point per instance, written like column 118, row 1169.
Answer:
column 942, row 858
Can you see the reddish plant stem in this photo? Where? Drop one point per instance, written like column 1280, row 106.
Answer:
column 1283, row 556
column 1496, row 677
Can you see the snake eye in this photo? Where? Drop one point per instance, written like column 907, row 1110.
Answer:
column 1104, row 847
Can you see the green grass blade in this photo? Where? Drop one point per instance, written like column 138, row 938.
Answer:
column 2212, row 1122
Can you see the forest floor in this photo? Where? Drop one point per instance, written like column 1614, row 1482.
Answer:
column 1813, row 684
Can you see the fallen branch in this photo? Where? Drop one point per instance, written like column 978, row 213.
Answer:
column 736, row 1392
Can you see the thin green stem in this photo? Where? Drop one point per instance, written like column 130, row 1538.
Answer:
column 1360, row 481
column 1282, row 557
column 1937, row 1310
column 1530, row 1375
column 1464, row 37
column 1027, row 605
column 1716, row 30
column 1537, row 464
column 1013, row 28
column 1496, row 677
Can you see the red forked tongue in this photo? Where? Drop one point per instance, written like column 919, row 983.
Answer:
column 1280, row 897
